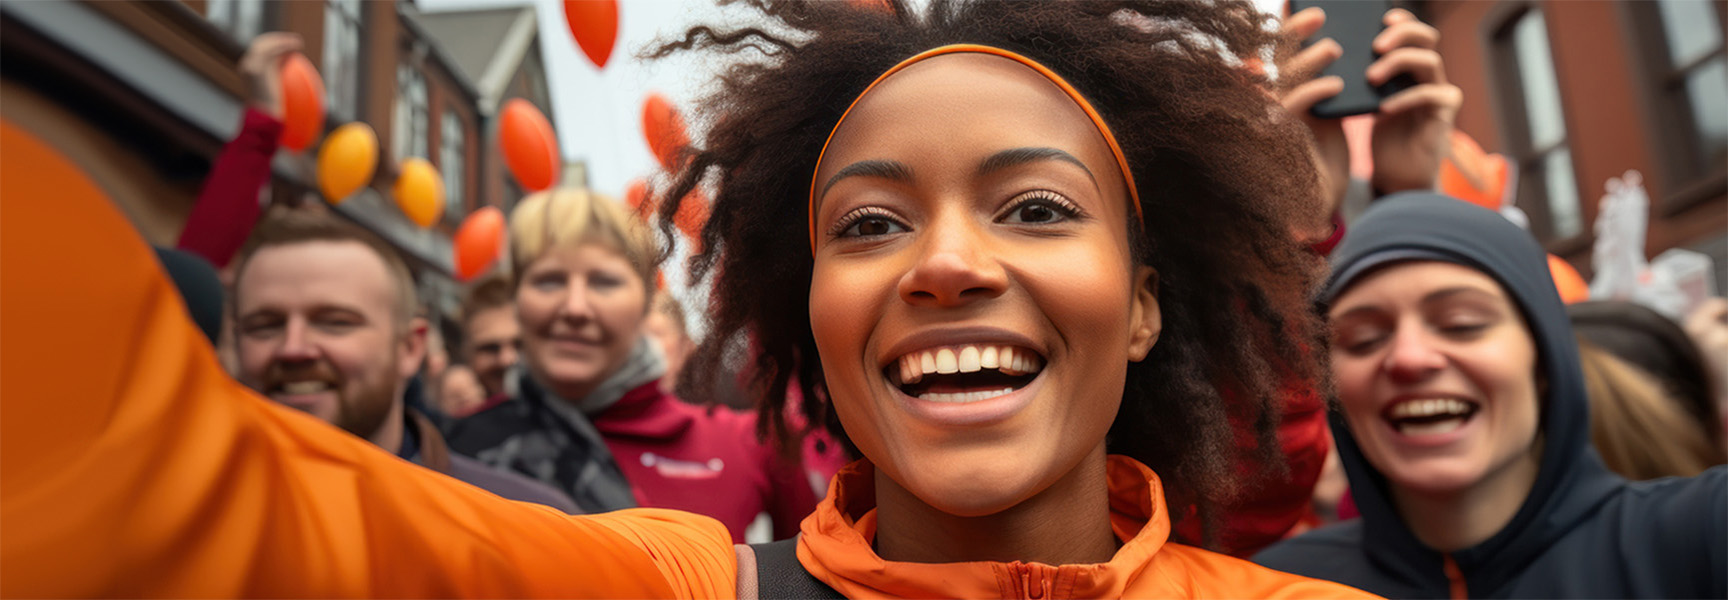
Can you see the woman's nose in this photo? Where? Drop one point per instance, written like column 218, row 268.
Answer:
column 1413, row 356
column 957, row 264
column 576, row 305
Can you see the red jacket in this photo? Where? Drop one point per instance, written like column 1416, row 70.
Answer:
column 703, row 460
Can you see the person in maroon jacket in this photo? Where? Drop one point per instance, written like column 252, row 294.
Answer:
column 589, row 415
column 228, row 206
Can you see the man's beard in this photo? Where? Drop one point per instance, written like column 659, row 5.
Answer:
column 362, row 409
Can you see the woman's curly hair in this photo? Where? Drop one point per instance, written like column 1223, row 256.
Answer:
column 1225, row 181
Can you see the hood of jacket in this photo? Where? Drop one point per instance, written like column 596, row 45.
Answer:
column 836, row 546
column 1571, row 481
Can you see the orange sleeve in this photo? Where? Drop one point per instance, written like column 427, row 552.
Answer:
column 132, row 465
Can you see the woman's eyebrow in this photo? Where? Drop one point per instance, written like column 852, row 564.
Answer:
column 885, row 169
column 1018, row 156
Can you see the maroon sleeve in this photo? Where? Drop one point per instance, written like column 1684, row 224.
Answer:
column 791, row 498
column 227, row 208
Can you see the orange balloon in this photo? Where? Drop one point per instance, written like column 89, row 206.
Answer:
column 302, row 103
column 692, row 215
column 636, row 194
column 478, row 242
column 1571, row 285
column 530, row 149
column 664, row 130
column 346, row 161
column 419, row 191
column 594, row 24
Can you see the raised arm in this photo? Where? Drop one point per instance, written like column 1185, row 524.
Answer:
column 131, row 465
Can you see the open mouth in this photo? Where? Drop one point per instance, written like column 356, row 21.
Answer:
column 966, row 373
column 1430, row 416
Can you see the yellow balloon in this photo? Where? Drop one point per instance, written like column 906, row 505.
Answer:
column 419, row 191
column 346, row 161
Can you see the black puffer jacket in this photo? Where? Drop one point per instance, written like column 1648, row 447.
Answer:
column 1583, row 532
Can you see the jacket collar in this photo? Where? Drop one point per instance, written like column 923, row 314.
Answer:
column 837, row 545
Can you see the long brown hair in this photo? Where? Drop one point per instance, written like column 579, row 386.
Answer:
column 1639, row 428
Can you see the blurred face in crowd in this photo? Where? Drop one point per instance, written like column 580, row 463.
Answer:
column 318, row 330
column 1435, row 369
column 459, row 392
column 974, row 296
column 581, row 308
column 666, row 333
column 493, row 341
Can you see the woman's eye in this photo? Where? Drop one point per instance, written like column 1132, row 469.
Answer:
column 867, row 221
column 1358, row 341
column 605, row 282
column 1040, row 207
column 547, row 283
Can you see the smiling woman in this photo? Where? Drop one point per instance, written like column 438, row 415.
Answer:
column 1466, row 437
column 1020, row 253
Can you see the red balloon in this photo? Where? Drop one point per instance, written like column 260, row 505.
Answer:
column 530, row 148
column 636, row 194
column 478, row 242
column 664, row 130
column 594, row 23
column 1570, row 284
column 875, row 5
column 692, row 215
column 302, row 103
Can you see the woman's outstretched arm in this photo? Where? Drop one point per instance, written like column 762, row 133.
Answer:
column 132, row 465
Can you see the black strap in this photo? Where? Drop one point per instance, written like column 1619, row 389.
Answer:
column 780, row 575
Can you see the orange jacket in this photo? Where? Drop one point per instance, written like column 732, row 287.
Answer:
column 132, row 465
column 837, row 548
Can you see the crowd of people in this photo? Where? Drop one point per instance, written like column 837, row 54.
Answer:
column 1004, row 300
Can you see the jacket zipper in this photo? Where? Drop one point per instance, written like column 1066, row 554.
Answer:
column 1454, row 579
column 1031, row 579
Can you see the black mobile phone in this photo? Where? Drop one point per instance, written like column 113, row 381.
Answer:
column 1353, row 24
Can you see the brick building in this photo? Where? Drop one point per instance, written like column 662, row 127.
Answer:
column 1578, row 91
column 144, row 93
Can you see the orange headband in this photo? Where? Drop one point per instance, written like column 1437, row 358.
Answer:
column 1073, row 94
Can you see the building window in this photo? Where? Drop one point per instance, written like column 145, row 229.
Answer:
column 411, row 128
column 451, row 162
column 1686, row 67
column 243, row 19
column 1536, row 126
column 342, row 27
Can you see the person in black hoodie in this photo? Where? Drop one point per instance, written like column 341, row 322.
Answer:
column 1464, row 429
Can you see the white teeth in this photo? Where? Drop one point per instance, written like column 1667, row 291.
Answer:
column 304, row 387
column 909, row 369
column 1429, row 408
column 969, row 359
column 945, row 362
column 987, row 358
column 965, row 396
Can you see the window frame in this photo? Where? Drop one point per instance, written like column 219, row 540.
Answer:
column 355, row 64
column 404, row 142
column 268, row 17
column 455, row 192
column 1667, row 112
column 1511, row 106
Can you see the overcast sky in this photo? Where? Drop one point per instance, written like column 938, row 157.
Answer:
column 599, row 112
